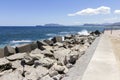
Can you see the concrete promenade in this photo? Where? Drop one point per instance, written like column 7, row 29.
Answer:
column 103, row 65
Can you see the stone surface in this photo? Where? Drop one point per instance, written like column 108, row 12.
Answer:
column 49, row 42
column 17, row 56
column 1, row 52
column 23, row 48
column 57, row 39
column 46, row 62
column 36, row 54
column 8, row 50
column 34, row 45
column 47, row 77
column 61, row 55
column 16, row 75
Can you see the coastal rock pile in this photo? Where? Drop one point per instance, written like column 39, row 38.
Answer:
column 43, row 60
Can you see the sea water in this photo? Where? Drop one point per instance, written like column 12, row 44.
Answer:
column 17, row 35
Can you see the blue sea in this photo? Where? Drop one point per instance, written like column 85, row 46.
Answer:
column 17, row 35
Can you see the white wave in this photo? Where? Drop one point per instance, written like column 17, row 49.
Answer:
column 21, row 41
column 83, row 32
column 50, row 34
column 64, row 32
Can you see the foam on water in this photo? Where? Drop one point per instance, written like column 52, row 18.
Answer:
column 20, row 41
column 51, row 34
column 83, row 32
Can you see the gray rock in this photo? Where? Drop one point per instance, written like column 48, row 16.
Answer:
column 58, row 68
column 47, row 77
column 73, row 56
column 52, row 73
column 8, row 50
column 46, row 62
column 58, row 44
column 5, row 64
column 68, row 37
column 1, row 52
column 35, row 73
column 58, row 77
column 17, row 56
column 5, row 72
column 16, row 75
column 61, row 55
column 40, row 44
column 34, row 45
column 49, row 48
column 49, row 42
column 36, row 54
column 57, row 39
column 23, row 48
column 16, row 64
column 47, row 53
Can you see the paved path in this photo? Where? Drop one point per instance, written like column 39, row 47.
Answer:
column 103, row 65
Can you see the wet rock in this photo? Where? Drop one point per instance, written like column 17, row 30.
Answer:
column 57, row 39
column 8, row 50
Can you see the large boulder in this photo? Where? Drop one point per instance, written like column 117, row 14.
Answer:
column 47, row 53
column 57, row 39
column 40, row 44
column 35, row 73
column 5, row 64
column 45, row 62
column 8, row 50
column 34, row 45
column 23, row 48
column 1, row 52
column 16, row 75
column 36, row 54
column 61, row 55
column 17, row 56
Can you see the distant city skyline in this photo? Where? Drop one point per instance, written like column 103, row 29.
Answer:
column 65, row 12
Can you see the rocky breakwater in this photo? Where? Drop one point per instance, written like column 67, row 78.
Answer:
column 44, row 60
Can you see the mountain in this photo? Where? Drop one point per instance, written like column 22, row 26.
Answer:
column 52, row 24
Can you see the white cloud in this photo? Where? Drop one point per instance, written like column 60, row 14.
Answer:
column 117, row 11
column 91, row 11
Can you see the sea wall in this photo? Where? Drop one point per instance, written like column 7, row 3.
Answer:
column 44, row 60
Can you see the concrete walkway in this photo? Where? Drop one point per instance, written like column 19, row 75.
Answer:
column 103, row 65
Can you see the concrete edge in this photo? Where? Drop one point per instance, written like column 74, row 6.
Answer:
column 76, row 72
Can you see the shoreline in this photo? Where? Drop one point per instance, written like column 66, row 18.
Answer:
column 54, row 57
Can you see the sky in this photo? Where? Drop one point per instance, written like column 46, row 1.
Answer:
column 66, row 12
